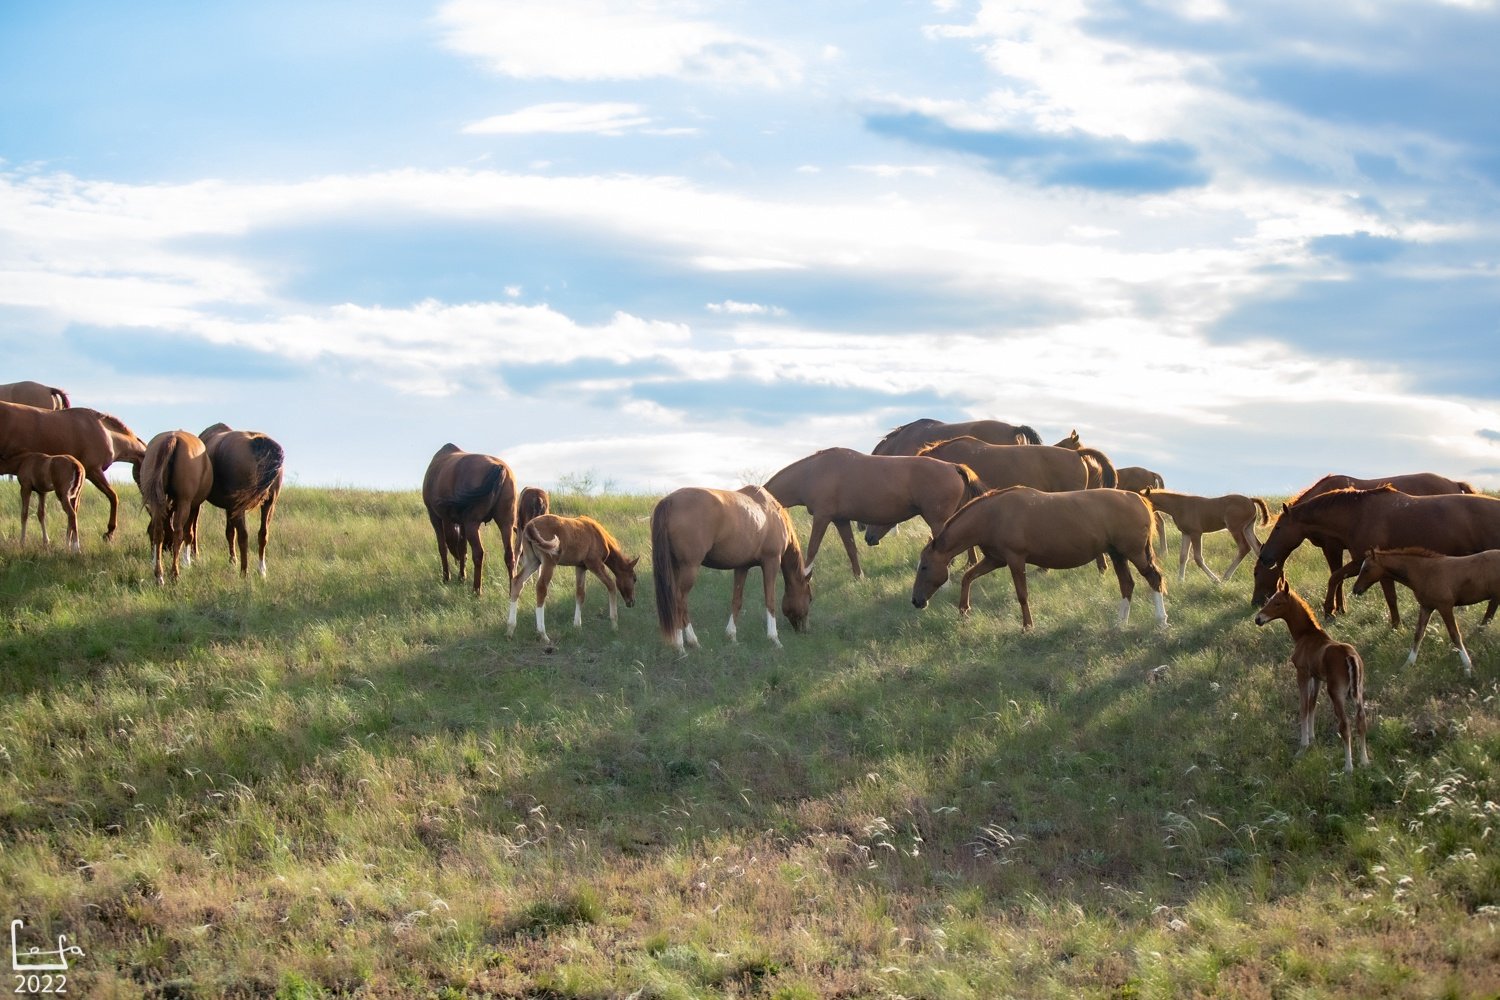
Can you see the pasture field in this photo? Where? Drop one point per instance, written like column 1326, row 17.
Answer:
column 345, row 781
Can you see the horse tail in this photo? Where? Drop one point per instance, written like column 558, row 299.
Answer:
column 1157, row 481
column 59, row 398
column 1028, row 433
column 1356, row 677
column 532, row 537
column 456, row 503
column 154, row 479
column 973, row 485
column 1265, row 512
column 663, row 569
column 1464, row 487
column 1106, row 467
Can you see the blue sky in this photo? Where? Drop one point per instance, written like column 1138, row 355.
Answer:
column 680, row 243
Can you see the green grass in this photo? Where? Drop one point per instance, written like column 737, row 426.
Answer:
column 345, row 780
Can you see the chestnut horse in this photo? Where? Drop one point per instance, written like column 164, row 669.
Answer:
column 248, row 470
column 1021, row 525
column 36, row 394
column 1417, row 484
column 1137, row 480
column 1102, row 471
column 1440, row 583
column 461, row 491
column 1360, row 520
column 1197, row 516
column 176, row 477
column 910, row 439
column 694, row 527
column 548, row 541
column 96, row 439
column 533, row 502
column 1049, row 469
column 1320, row 660
column 43, row 474
column 840, row 485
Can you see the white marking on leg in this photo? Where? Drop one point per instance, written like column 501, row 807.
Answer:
column 689, row 636
column 510, row 619
column 187, row 556
column 1412, row 656
column 1124, row 611
column 1161, row 607
column 771, row 629
column 541, row 623
column 261, row 566
column 614, row 615
column 1463, row 654
column 577, row 614
column 677, row 637
column 731, row 630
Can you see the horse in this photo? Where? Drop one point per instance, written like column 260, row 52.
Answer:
column 533, row 502
column 1138, row 480
column 840, row 485
column 1456, row 524
column 1101, row 470
column 1196, row 516
column 176, row 477
column 1021, row 525
column 1417, row 484
column 96, row 439
column 461, row 491
column 45, row 397
column 910, row 439
column 1440, row 583
column 43, row 474
column 694, row 527
column 248, row 470
column 1049, row 469
column 548, row 541
column 1320, row 660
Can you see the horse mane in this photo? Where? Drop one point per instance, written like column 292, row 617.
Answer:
column 114, row 423
column 1339, row 497
column 919, row 422
column 1409, row 550
column 953, row 440
column 1316, row 483
column 1301, row 602
column 1029, row 433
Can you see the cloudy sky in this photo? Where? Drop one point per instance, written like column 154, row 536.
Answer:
column 674, row 242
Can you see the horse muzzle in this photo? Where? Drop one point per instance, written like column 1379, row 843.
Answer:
column 1261, row 619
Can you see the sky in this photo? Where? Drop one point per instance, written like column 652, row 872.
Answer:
column 646, row 245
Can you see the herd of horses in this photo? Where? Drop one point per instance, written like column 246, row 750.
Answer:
column 984, row 487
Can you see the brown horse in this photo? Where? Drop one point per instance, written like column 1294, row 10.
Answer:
column 533, row 502
column 36, row 394
column 1197, row 516
column 1020, row 525
column 1417, row 484
column 1383, row 518
column 461, row 491
column 694, row 527
column 43, row 474
column 1049, row 469
column 96, row 439
column 1440, row 583
column 1320, row 660
column 840, row 485
column 248, row 470
column 549, row 541
column 176, row 477
column 1137, row 480
column 910, row 439
column 1102, row 473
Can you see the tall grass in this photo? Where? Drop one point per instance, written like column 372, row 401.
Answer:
column 344, row 780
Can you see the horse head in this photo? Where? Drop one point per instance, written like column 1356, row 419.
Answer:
column 932, row 573
column 625, row 580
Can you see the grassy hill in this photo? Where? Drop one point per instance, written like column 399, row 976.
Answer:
column 345, row 780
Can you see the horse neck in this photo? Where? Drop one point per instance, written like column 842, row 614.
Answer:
column 958, row 533
column 1301, row 623
column 791, row 558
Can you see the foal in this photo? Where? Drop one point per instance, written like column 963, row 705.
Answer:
column 1319, row 659
column 549, row 541
column 43, row 474
column 1197, row 516
column 1439, row 584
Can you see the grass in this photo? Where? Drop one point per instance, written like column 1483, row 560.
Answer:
column 344, row 780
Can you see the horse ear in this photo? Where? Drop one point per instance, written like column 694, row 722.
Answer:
column 807, row 573
column 632, row 562
column 1281, row 587
column 1283, row 508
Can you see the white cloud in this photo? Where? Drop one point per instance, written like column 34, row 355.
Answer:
column 730, row 307
column 609, row 40
column 607, row 118
column 892, row 170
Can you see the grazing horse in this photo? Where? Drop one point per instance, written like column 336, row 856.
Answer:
column 43, row 474
column 1440, row 583
column 96, row 439
column 1049, row 469
column 36, row 394
column 176, row 477
column 1197, row 516
column 248, row 469
column 533, row 502
column 1417, row 484
column 1457, row 524
column 461, row 491
column 910, row 439
column 1320, row 660
column 694, row 527
column 549, row 541
column 1138, row 480
column 840, row 485
column 1021, row 525
column 1102, row 473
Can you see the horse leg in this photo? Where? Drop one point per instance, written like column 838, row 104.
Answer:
column 242, row 537
column 580, row 576
column 229, row 536
column 736, row 600
column 1198, row 558
column 1184, row 549
column 1333, row 600
column 1388, row 588
column 69, row 503
column 439, row 528
column 1018, row 580
column 1489, row 612
column 846, row 534
column 1308, row 682
column 41, row 517
column 529, row 565
column 974, row 572
column 599, row 570
column 543, row 581
column 267, row 511
column 769, row 568
column 1127, row 582
column 97, row 477
column 686, row 577
column 1243, row 547
column 1458, row 640
column 1423, row 614
column 471, row 535
column 1338, row 688
column 815, row 537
